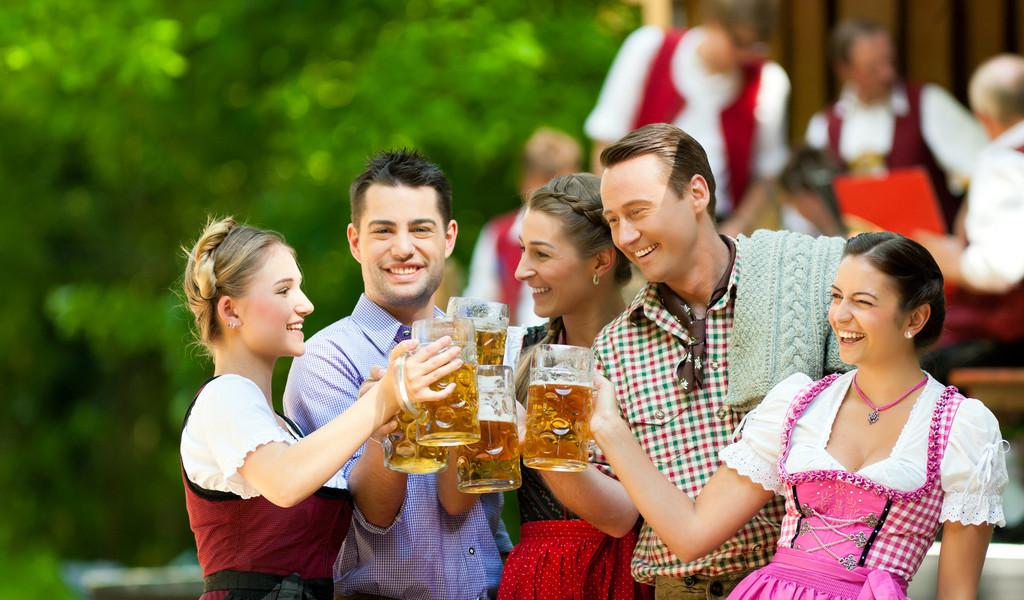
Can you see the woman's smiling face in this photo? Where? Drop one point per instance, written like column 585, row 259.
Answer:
column 559, row 277
column 866, row 313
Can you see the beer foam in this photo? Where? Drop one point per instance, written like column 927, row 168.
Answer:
column 488, row 412
column 493, row 386
column 490, row 325
column 561, row 375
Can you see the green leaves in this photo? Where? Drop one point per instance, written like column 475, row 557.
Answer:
column 125, row 124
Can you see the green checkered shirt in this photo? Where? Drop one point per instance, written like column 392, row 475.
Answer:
column 681, row 432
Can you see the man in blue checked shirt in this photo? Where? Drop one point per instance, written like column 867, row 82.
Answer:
column 412, row 536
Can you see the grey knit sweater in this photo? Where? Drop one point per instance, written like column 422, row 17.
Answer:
column 781, row 313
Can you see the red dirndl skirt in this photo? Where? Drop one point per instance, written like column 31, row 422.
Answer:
column 562, row 560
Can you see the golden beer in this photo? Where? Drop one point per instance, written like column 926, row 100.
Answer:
column 452, row 421
column 490, row 320
column 490, row 345
column 558, row 426
column 492, row 464
column 403, row 454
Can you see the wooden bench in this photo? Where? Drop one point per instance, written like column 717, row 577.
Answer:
column 1001, row 389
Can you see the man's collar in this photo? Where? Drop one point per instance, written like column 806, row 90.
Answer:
column 849, row 100
column 647, row 302
column 380, row 326
column 725, row 282
column 1012, row 137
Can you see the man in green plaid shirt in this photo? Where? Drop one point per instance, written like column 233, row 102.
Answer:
column 668, row 356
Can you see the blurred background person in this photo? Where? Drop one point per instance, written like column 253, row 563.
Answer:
column 575, row 274
column 713, row 82
column 881, row 122
column 547, row 154
column 985, row 324
column 808, row 203
column 985, row 318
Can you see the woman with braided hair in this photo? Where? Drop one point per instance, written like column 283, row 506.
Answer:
column 269, row 508
column 576, row 275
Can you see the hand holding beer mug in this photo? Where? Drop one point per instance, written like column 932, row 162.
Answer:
column 490, row 320
column 453, row 420
column 492, row 464
column 607, row 416
column 403, row 454
column 416, row 372
column 558, row 410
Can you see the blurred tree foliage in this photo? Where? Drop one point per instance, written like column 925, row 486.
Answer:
column 124, row 124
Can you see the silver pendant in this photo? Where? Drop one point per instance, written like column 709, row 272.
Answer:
column 873, row 417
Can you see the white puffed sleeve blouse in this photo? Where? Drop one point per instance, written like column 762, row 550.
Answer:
column 230, row 419
column 973, row 470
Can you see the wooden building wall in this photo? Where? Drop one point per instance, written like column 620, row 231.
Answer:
column 939, row 41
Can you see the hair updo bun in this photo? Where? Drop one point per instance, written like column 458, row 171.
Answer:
column 221, row 263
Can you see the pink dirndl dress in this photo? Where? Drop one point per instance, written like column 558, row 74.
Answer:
column 845, row 536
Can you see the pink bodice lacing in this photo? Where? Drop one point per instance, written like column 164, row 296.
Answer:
column 855, row 520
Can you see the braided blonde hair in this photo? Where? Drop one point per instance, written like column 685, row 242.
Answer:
column 221, row 263
column 575, row 200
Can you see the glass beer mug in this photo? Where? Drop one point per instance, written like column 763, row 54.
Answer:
column 558, row 408
column 492, row 464
column 403, row 454
column 490, row 319
column 453, row 421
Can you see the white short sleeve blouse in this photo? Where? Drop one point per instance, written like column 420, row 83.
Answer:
column 231, row 418
column 973, row 470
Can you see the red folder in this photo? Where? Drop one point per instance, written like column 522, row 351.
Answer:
column 901, row 200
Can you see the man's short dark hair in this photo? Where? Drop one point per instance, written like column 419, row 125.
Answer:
column 682, row 156
column 401, row 167
column 847, row 33
column 762, row 16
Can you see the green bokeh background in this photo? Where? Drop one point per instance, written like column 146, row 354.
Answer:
column 124, row 123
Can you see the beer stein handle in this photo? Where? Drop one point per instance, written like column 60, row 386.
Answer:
column 403, row 391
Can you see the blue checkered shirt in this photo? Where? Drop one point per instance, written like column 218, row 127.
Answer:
column 426, row 553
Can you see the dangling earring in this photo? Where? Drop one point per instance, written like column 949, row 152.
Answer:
column 232, row 324
column 596, row 280
column 908, row 334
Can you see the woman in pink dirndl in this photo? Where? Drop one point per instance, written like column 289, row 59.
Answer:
column 871, row 463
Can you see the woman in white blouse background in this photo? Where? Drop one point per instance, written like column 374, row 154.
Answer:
column 268, row 506
column 871, row 462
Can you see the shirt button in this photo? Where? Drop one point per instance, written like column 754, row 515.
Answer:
column 659, row 415
column 472, row 550
column 689, row 580
column 722, row 413
column 714, row 365
column 757, row 547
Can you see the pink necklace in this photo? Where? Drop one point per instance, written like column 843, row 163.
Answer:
column 873, row 415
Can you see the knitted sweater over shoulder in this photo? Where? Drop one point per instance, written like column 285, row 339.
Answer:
column 781, row 313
